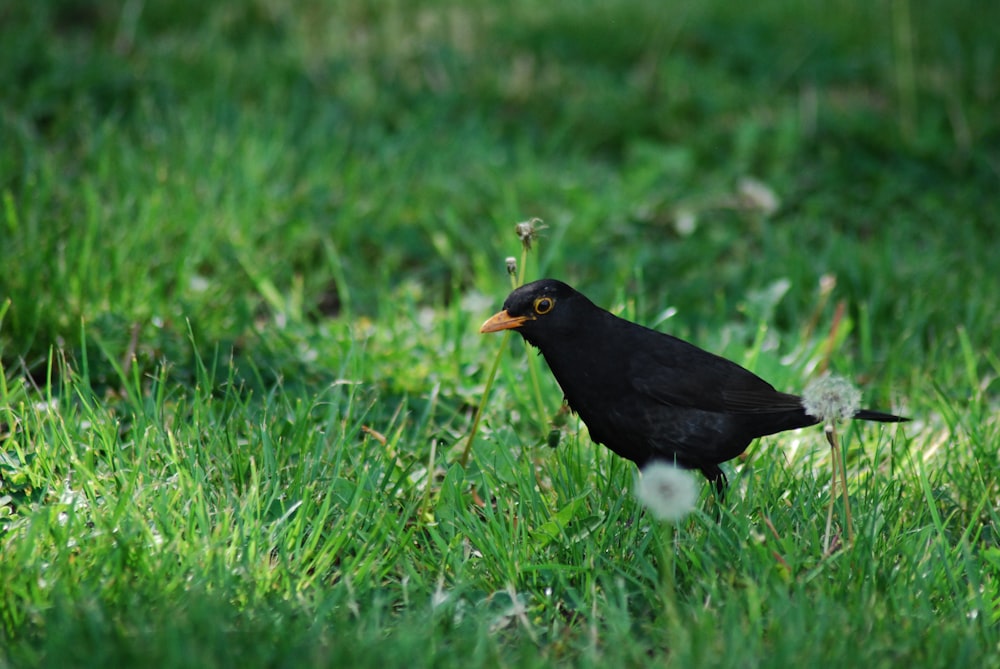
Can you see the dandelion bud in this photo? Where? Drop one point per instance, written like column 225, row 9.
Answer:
column 511, row 265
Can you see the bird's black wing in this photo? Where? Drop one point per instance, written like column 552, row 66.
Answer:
column 678, row 374
column 702, row 409
column 755, row 402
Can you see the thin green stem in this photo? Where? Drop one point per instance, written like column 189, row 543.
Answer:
column 843, row 484
column 668, row 588
column 829, row 508
column 838, row 466
column 536, row 386
column 464, row 460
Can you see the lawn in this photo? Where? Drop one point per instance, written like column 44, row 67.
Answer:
column 246, row 250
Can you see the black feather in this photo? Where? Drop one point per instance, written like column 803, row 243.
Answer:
column 647, row 395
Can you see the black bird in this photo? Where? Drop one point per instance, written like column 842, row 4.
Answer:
column 647, row 395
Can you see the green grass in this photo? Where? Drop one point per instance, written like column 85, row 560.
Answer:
column 246, row 248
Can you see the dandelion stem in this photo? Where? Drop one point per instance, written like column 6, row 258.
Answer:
column 521, row 269
column 514, row 283
column 464, row 460
column 829, row 507
column 536, row 387
column 665, row 540
column 838, row 465
column 843, row 486
column 831, row 398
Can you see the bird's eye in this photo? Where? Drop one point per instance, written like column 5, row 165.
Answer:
column 543, row 305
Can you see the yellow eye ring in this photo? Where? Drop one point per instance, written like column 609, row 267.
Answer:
column 543, row 305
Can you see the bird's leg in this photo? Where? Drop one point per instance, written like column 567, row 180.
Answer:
column 717, row 478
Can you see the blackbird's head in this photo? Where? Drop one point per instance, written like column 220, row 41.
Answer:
column 542, row 311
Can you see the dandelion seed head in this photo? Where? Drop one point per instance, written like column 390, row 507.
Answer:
column 528, row 231
column 668, row 492
column 831, row 398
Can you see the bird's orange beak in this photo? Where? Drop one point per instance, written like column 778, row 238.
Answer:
column 503, row 321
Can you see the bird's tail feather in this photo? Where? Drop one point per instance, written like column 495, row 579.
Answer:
column 879, row 416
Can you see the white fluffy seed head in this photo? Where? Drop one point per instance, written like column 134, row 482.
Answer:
column 668, row 492
column 831, row 398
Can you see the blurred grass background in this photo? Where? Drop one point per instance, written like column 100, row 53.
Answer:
column 356, row 146
column 301, row 209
